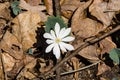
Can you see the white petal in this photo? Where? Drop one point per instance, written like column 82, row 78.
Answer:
column 53, row 33
column 57, row 29
column 61, row 32
column 68, row 39
column 56, row 51
column 66, row 32
column 48, row 35
column 49, row 41
column 49, row 48
column 62, row 48
column 67, row 46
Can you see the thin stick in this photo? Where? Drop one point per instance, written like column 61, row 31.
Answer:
column 57, row 7
column 73, row 71
column 82, row 46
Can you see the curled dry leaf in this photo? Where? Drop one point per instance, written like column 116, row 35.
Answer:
column 68, row 7
column 84, row 28
column 24, row 28
column 104, row 11
column 11, row 45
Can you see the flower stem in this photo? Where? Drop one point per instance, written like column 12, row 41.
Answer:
column 58, row 77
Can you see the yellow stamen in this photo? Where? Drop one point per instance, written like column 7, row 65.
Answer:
column 57, row 40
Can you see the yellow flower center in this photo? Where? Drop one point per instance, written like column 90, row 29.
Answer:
column 57, row 40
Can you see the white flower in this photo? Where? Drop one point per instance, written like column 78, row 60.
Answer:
column 57, row 40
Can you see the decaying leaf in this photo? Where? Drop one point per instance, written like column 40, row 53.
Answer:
column 8, row 61
column 49, row 6
column 105, row 43
column 34, row 2
column 11, row 45
column 34, row 9
column 69, row 6
column 102, row 67
column 104, row 11
column 24, row 28
column 4, row 16
column 83, row 26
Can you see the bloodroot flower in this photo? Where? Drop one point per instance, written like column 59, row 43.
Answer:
column 58, row 40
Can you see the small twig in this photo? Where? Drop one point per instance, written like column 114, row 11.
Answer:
column 73, row 71
column 82, row 46
column 57, row 7
column 110, row 11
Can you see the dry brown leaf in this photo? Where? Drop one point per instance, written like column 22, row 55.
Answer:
column 98, row 9
column 114, row 5
column 33, row 2
column 68, row 7
column 102, row 67
column 29, row 71
column 83, row 26
column 49, row 6
column 106, row 45
column 34, row 9
column 24, row 28
column 29, row 7
column 8, row 61
column 90, row 53
column 4, row 16
column 4, row 11
column 11, row 45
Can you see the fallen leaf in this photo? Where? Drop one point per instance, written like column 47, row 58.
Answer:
column 102, row 67
column 68, row 7
column 105, row 43
column 98, row 8
column 34, row 2
column 11, row 45
column 8, row 61
column 34, row 9
column 83, row 26
column 49, row 6
column 24, row 28
column 4, row 16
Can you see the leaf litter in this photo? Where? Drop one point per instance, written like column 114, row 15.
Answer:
column 88, row 19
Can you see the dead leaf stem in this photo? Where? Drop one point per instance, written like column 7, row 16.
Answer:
column 82, row 46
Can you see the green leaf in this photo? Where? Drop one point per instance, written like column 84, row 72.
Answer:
column 115, row 55
column 16, row 10
column 50, row 23
column 115, row 79
column 30, row 51
column 15, row 4
column 15, row 7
